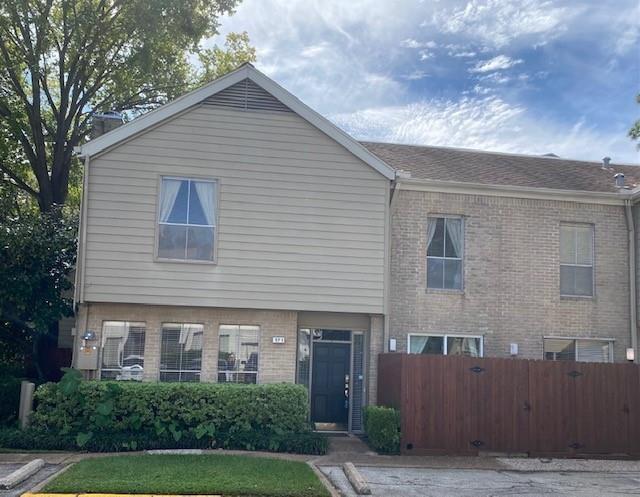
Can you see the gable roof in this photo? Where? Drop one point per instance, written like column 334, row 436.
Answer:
column 512, row 170
column 244, row 72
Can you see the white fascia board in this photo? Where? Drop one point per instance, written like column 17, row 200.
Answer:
column 169, row 110
column 162, row 113
column 322, row 123
column 581, row 196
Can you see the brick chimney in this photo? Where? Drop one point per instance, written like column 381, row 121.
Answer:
column 103, row 122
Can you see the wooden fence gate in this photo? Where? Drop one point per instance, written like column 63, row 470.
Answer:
column 463, row 405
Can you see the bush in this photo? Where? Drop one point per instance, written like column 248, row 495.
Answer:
column 116, row 416
column 382, row 426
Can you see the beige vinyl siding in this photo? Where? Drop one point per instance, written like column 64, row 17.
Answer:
column 301, row 221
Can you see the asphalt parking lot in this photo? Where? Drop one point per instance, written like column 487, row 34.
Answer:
column 429, row 482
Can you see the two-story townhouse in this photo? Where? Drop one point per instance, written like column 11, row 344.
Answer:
column 510, row 255
column 235, row 235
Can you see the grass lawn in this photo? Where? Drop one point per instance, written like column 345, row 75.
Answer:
column 190, row 474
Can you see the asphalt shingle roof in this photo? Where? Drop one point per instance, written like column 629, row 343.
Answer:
column 492, row 168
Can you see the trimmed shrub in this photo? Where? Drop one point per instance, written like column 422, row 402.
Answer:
column 116, row 416
column 382, row 426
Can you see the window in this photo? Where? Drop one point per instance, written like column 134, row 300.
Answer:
column 181, row 352
column 238, row 354
column 186, row 218
column 122, row 350
column 304, row 357
column 445, row 236
column 581, row 350
column 576, row 260
column 445, row 345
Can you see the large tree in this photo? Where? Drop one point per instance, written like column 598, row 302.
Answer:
column 61, row 61
column 634, row 132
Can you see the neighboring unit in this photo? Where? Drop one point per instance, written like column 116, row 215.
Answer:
column 235, row 235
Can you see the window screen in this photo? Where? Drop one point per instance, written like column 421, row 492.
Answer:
column 581, row 350
column 576, row 260
column 445, row 236
column 446, row 345
column 238, row 354
column 181, row 352
column 122, row 350
column 187, row 219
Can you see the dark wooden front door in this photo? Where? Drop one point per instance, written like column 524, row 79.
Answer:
column 329, row 383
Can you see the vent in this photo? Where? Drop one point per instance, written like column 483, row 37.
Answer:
column 246, row 95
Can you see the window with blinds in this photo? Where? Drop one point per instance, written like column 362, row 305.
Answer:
column 122, row 350
column 238, row 354
column 581, row 350
column 576, row 260
column 181, row 352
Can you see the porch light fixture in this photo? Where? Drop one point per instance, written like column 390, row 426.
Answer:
column 631, row 355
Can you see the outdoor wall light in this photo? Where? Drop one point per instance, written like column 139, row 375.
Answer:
column 88, row 341
column 631, row 355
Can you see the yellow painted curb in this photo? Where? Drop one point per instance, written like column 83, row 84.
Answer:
column 29, row 494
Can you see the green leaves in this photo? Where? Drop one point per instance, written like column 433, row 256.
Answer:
column 83, row 438
column 70, row 381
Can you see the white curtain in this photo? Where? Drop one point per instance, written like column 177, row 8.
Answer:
column 431, row 229
column 454, row 229
column 168, row 195
column 191, row 337
column 417, row 344
column 206, row 195
column 115, row 331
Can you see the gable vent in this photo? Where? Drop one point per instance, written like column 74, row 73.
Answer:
column 246, row 95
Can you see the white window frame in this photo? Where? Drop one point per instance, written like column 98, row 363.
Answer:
column 444, row 258
column 201, row 179
column 179, row 371
column 445, row 336
column 103, row 339
column 611, row 342
column 593, row 260
column 257, row 372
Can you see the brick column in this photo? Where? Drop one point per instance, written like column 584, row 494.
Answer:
column 376, row 346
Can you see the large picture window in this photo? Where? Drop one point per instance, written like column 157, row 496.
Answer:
column 581, row 350
column 470, row 346
column 238, row 354
column 122, row 350
column 187, row 219
column 445, row 247
column 181, row 352
column 576, row 260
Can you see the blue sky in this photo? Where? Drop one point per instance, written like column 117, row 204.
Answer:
column 523, row 76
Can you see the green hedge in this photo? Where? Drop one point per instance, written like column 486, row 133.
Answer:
column 382, row 426
column 108, row 416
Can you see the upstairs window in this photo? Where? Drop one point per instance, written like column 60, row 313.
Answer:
column 187, row 219
column 445, row 246
column 181, row 352
column 576, row 260
column 122, row 350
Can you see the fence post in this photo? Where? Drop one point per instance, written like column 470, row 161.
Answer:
column 26, row 403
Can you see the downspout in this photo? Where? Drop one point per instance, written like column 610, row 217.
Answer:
column 83, row 227
column 633, row 311
column 395, row 189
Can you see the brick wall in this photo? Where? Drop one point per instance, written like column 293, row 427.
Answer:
column 511, row 273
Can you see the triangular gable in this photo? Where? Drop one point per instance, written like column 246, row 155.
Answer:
column 243, row 88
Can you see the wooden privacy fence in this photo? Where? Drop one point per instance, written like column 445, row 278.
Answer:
column 464, row 405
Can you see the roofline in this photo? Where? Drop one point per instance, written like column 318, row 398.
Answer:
column 581, row 196
column 507, row 154
column 188, row 100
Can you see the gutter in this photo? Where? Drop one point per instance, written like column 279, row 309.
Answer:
column 633, row 309
column 395, row 190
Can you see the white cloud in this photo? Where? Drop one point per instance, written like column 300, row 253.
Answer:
column 462, row 54
column 484, row 123
column 499, row 22
column 413, row 43
column 416, row 75
column 499, row 62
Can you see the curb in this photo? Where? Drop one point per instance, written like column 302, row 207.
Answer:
column 324, row 480
column 358, row 483
column 21, row 474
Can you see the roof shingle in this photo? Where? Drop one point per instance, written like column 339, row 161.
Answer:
column 492, row 168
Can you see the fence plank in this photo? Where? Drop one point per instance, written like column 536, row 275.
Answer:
column 508, row 405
